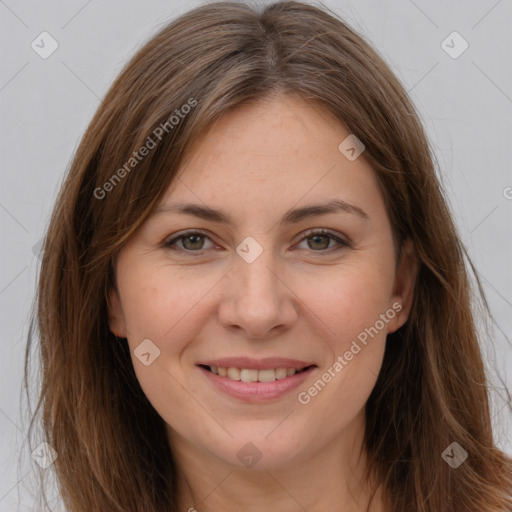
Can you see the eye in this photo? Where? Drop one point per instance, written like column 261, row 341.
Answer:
column 193, row 241
column 320, row 241
column 317, row 241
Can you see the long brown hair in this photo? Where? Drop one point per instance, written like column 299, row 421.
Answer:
column 113, row 453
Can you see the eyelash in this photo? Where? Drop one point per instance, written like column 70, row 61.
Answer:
column 170, row 244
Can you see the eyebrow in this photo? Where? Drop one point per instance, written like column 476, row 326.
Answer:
column 290, row 217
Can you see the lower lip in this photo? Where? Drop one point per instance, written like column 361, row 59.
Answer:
column 257, row 391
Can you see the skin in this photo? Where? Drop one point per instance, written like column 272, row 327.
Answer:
column 299, row 299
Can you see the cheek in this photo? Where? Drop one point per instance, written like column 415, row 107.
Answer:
column 353, row 344
column 350, row 310
column 165, row 308
column 349, row 299
column 158, row 303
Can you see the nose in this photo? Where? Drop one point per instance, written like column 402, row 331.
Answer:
column 257, row 299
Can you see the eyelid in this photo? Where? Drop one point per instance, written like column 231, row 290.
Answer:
column 169, row 242
column 341, row 241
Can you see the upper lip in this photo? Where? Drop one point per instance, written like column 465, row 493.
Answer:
column 256, row 364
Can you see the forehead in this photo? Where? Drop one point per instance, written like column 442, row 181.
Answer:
column 268, row 150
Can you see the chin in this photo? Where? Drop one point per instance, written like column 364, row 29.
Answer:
column 258, row 452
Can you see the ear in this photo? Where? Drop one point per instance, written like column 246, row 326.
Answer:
column 115, row 314
column 403, row 287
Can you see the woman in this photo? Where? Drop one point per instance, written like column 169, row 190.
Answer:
column 252, row 291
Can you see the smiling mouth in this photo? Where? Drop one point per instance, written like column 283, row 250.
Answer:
column 251, row 375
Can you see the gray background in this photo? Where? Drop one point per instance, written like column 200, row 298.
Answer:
column 46, row 104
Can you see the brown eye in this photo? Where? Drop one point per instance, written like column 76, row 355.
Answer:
column 321, row 241
column 196, row 242
column 188, row 242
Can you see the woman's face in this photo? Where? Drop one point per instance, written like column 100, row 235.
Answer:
column 233, row 272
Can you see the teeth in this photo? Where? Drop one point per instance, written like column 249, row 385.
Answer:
column 234, row 373
column 267, row 375
column 247, row 375
column 281, row 373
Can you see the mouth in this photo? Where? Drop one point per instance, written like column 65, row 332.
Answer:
column 255, row 375
column 272, row 379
